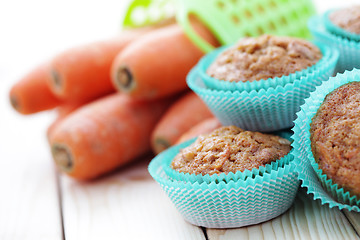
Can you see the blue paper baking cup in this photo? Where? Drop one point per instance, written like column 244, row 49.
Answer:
column 266, row 110
column 349, row 49
column 214, row 83
column 310, row 175
column 335, row 29
column 285, row 133
column 228, row 204
column 187, row 177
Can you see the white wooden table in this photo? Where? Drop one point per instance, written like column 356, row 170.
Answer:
column 37, row 202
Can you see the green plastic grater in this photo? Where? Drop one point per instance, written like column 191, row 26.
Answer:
column 229, row 20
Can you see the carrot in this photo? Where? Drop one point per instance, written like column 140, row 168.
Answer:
column 156, row 65
column 31, row 93
column 83, row 73
column 179, row 118
column 62, row 111
column 104, row 135
column 203, row 127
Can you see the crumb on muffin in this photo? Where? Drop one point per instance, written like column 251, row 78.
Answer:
column 335, row 137
column 267, row 56
column 230, row 149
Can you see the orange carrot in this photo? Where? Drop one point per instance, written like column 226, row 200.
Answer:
column 156, row 65
column 203, row 127
column 104, row 135
column 62, row 111
column 83, row 73
column 31, row 93
column 181, row 116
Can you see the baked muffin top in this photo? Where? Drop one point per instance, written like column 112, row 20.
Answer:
column 255, row 58
column 335, row 136
column 230, row 149
column 347, row 18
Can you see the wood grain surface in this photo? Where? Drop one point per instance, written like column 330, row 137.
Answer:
column 128, row 204
column 306, row 219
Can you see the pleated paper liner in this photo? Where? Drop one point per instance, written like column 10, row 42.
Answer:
column 223, row 177
column 333, row 28
column 349, row 49
column 231, row 20
column 285, row 133
column 228, row 204
column 213, row 83
column 310, row 175
column 266, row 110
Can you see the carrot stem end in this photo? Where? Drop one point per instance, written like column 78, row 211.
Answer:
column 62, row 157
column 124, row 79
column 56, row 80
column 14, row 102
column 161, row 145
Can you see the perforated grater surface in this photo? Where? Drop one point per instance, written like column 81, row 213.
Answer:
column 229, row 20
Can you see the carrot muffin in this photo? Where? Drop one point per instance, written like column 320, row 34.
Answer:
column 230, row 149
column 255, row 58
column 335, row 137
column 347, row 19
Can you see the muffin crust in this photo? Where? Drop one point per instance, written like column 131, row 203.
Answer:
column 230, row 149
column 335, row 137
column 264, row 57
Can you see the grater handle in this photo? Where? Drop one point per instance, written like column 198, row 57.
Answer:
column 183, row 19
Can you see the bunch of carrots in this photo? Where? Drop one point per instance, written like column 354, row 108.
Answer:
column 117, row 99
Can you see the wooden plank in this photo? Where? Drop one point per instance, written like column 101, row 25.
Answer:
column 129, row 204
column 354, row 219
column 306, row 219
column 29, row 203
column 29, row 206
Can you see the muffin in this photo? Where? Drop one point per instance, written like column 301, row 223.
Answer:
column 230, row 149
column 347, row 18
column 229, row 200
column 326, row 142
column 255, row 58
column 340, row 28
column 264, row 105
column 335, row 137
